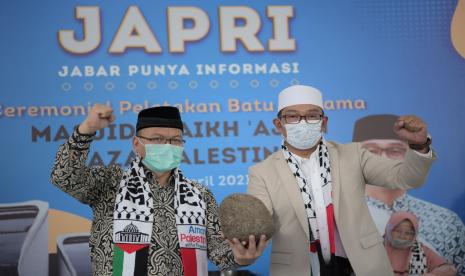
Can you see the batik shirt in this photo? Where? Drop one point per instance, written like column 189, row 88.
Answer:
column 440, row 228
column 97, row 187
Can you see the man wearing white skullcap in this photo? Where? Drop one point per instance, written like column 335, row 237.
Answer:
column 300, row 94
column 315, row 190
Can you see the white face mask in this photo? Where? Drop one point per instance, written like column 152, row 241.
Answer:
column 402, row 244
column 303, row 135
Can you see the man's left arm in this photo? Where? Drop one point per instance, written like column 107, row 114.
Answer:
column 414, row 130
column 413, row 170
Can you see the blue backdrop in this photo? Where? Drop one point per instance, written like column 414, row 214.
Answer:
column 367, row 57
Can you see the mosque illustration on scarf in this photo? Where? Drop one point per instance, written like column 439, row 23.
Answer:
column 131, row 234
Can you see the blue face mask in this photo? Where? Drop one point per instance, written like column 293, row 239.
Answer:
column 162, row 157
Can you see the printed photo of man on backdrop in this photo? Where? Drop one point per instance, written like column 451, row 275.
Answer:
column 440, row 228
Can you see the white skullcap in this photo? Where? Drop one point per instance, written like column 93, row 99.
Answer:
column 299, row 94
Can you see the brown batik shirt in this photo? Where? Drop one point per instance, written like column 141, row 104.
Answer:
column 97, row 187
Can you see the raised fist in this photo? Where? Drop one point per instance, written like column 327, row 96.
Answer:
column 100, row 116
column 412, row 129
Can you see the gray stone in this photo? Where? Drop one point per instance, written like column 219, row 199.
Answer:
column 242, row 215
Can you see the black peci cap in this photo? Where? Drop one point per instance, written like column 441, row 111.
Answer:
column 375, row 127
column 160, row 116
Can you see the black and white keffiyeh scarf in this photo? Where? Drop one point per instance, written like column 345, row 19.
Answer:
column 133, row 222
column 314, row 181
column 418, row 263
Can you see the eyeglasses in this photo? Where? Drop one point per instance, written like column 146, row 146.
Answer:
column 392, row 152
column 296, row 118
column 177, row 141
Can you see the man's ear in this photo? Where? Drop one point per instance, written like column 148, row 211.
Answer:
column 135, row 145
column 324, row 125
column 278, row 125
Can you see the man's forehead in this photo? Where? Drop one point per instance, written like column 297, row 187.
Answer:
column 302, row 108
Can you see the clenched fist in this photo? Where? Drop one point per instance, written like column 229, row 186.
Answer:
column 412, row 129
column 100, row 116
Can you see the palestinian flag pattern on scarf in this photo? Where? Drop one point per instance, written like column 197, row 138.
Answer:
column 133, row 222
column 132, row 258
column 321, row 230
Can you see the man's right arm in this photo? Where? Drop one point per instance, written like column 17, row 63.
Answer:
column 257, row 188
column 70, row 172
